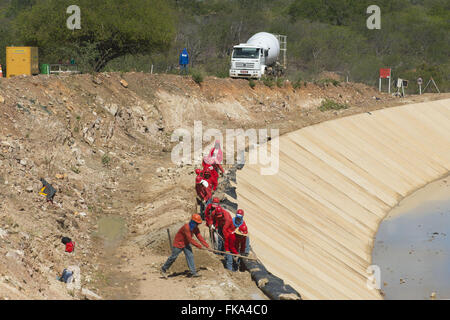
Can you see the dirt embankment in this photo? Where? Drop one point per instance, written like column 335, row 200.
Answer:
column 105, row 146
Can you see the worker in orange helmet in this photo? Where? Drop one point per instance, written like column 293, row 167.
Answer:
column 229, row 230
column 182, row 243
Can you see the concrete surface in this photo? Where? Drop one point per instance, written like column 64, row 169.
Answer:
column 313, row 223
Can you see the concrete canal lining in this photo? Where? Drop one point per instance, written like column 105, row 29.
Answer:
column 313, row 223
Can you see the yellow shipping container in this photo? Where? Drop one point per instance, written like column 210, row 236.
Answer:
column 21, row 60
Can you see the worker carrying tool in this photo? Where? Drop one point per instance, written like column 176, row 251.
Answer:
column 229, row 232
column 182, row 243
column 221, row 217
column 209, row 211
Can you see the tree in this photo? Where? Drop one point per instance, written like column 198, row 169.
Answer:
column 109, row 29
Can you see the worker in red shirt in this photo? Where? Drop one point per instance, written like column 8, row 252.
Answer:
column 203, row 189
column 221, row 217
column 241, row 235
column 204, row 193
column 209, row 210
column 216, row 152
column 182, row 243
column 209, row 161
column 211, row 176
column 229, row 230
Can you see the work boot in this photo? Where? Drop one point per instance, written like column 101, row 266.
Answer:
column 194, row 275
column 163, row 273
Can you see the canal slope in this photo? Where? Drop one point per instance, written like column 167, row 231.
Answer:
column 313, row 223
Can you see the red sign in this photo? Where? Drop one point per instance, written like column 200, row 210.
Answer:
column 385, row 73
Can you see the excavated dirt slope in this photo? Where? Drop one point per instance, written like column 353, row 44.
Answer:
column 105, row 146
column 336, row 181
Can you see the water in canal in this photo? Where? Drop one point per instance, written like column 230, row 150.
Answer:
column 412, row 245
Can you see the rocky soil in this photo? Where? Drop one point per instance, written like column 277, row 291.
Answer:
column 103, row 141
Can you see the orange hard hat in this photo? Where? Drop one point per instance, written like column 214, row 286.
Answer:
column 197, row 218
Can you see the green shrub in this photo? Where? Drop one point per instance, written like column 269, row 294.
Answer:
column 197, row 76
column 280, row 82
column 331, row 105
column 324, row 82
column 106, row 159
column 268, row 81
column 251, row 83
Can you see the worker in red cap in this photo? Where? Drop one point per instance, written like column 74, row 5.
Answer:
column 203, row 188
column 182, row 243
column 211, row 176
column 229, row 230
column 204, row 194
column 199, row 172
column 221, row 217
column 209, row 210
column 216, row 152
column 209, row 161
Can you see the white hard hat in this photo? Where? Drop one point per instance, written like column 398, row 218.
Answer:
column 205, row 183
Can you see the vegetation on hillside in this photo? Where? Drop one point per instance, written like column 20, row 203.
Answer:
column 323, row 35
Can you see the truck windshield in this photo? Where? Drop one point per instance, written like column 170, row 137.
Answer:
column 249, row 53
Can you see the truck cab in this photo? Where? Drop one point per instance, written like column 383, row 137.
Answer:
column 248, row 61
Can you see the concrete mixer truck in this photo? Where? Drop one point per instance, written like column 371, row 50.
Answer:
column 263, row 54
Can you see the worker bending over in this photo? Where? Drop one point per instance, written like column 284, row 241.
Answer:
column 221, row 217
column 209, row 211
column 229, row 232
column 204, row 193
column 182, row 242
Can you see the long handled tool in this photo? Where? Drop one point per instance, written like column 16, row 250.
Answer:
column 170, row 240
column 224, row 240
column 231, row 254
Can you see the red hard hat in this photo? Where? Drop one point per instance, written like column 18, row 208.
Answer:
column 198, row 179
column 197, row 218
column 240, row 212
column 216, row 200
column 218, row 212
column 243, row 229
column 198, row 171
